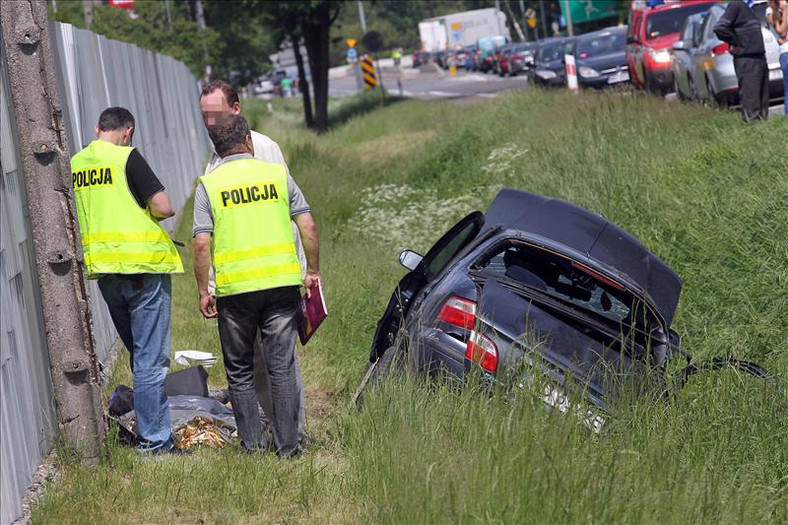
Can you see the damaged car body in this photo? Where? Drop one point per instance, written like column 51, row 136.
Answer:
column 542, row 287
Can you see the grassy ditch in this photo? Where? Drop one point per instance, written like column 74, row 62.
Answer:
column 701, row 190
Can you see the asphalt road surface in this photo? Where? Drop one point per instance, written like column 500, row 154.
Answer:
column 464, row 87
column 432, row 85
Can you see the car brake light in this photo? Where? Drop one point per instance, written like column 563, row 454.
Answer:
column 720, row 49
column 480, row 349
column 459, row 312
column 583, row 55
column 597, row 275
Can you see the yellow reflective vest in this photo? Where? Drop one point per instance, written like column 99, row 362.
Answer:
column 118, row 236
column 253, row 247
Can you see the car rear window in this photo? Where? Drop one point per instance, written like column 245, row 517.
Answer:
column 561, row 278
column 552, row 51
column 604, row 44
column 670, row 21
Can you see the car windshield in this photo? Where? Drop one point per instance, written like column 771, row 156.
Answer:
column 552, row 51
column 522, row 47
column 491, row 43
column 670, row 21
column 564, row 279
column 604, row 44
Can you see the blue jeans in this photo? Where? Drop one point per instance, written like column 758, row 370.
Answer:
column 784, row 67
column 140, row 309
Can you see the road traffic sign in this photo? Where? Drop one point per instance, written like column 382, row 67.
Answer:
column 352, row 55
column 351, row 42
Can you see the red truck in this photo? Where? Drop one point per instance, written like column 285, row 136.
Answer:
column 650, row 38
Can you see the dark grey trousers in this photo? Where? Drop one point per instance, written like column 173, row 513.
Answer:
column 753, row 76
column 274, row 313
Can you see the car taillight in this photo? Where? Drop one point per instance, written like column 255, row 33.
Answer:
column 720, row 49
column 480, row 349
column 459, row 312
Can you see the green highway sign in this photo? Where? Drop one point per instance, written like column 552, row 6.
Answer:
column 588, row 10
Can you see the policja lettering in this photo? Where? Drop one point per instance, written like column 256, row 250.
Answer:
column 91, row 177
column 249, row 194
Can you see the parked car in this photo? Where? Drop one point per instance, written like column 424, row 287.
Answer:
column 601, row 58
column 420, row 58
column 550, row 63
column 470, row 53
column 503, row 61
column 490, row 48
column 539, row 282
column 650, row 39
column 713, row 74
column 522, row 57
column 683, row 49
column 440, row 58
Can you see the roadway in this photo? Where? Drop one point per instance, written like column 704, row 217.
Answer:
column 436, row 84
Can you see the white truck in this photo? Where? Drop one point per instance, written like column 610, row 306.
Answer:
column 462, row 29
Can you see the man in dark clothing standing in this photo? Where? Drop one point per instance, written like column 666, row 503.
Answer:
column 740, row 28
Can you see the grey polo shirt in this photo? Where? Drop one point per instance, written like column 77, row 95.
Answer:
column 203, row 217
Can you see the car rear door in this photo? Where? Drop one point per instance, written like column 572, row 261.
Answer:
column 419, row 281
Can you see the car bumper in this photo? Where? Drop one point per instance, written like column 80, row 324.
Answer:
column 660, row 80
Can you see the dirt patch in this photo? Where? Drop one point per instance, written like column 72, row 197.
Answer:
column 319, row 403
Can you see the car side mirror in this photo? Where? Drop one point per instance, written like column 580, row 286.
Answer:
column 410, row 259
column 678, row 45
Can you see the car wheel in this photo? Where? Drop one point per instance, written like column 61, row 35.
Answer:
column 389, row 365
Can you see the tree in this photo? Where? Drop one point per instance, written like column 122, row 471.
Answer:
column 311, row 20
column 153, row 28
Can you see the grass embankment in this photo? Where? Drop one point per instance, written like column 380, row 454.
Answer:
column 705, row 193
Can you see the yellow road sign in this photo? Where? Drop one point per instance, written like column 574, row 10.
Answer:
column 351, row 42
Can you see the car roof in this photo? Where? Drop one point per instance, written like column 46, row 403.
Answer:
column 667, row 7
column 556, row 39
column 612, row 30
column 592, row 235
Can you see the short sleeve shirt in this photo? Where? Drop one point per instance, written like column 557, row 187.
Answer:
column 203, row 216
column 143, row 183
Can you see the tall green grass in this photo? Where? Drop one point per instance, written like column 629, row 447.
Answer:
column 702, row 191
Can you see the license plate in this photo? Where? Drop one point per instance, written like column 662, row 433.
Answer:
column 621, row 76
column 775, row 74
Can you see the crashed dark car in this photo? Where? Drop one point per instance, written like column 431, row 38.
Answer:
column 539, row 282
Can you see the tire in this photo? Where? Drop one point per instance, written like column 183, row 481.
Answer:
column 389, row 365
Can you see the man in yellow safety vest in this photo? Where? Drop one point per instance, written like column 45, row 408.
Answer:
column 119, row 202
column 217, row 101
column 242, row 215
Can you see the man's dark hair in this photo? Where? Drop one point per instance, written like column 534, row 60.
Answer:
column 115, row 118
column 229, row 92
column 228, row 133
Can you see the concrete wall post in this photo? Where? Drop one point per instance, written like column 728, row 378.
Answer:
column 45, row 163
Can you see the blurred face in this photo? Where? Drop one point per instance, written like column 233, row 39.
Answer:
column 214, row 107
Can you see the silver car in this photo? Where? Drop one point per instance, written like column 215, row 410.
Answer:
column 683, row 50
column 713, row 74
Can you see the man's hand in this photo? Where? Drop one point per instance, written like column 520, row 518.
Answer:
column 310, row 280
column 208, row 306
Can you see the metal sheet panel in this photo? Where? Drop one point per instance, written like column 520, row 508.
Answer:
column 27, row 418
column 95, row 73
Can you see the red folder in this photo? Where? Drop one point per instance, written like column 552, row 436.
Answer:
column 313, row 312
